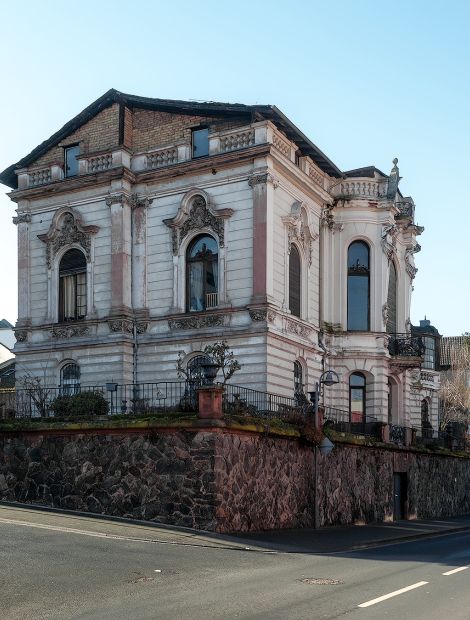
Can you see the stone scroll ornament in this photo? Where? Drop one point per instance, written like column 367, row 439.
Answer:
column 197, row 215
column 66, row 229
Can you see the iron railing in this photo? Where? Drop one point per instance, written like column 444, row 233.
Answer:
column 340, row 420
column 405, row 345
column 397, row 434
column 243, row 401
column 142, row 398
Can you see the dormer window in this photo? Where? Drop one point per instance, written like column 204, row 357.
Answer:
column 71, row 163
column 200, row 139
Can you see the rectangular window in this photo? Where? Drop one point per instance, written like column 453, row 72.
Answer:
column 71, row 164
column 200, row 142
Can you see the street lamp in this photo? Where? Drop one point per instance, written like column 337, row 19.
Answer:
column 329, row 378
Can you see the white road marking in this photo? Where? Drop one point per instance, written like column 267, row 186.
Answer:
column 456, row 570
column 392, row 594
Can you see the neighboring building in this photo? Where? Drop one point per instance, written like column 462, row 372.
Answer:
column 148, row 227
column 7, row 341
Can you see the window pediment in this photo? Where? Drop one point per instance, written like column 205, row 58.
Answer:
column 67, row 229
column 299, row 230
column 196, row 213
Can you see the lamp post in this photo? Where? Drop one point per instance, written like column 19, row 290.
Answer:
column 329, row 378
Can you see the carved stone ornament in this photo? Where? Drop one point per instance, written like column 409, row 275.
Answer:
column 385, row 314
column 21, row 335
column 263, row 178
column 66, row 229
column 328, row 219
column 258, row 314
column 299, row 230
column 22, row 218
column 196, row 214
column 141, row 328
column 197, row 322
column 134, row 201
column 393, row 180
column 69, row 331
column 124, row 326
column 389, row 240
column 294, row 327
column 411, row 270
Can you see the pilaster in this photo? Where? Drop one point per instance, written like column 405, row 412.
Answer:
column 263, row 185
column 23, row 221
column 121, row 248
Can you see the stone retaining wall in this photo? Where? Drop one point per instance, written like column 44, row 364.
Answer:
column 224, row 480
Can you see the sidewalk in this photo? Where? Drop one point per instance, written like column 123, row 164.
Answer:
column 325, row 540
column 348, row 538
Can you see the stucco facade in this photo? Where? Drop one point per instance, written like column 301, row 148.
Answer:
column 137, row 204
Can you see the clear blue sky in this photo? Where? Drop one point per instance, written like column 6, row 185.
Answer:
column 366, row 81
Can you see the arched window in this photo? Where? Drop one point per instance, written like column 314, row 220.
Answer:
column 202, row 273
column 70, row 379
column 358, row 286
column 294, row 281
column 357, row 397
column 72, row 286
column 298, row 378
column 392, row 300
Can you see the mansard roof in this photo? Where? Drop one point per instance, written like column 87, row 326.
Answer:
column 207, row 108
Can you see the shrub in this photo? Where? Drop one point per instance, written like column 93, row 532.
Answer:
column 82, row 404
column 62, row 406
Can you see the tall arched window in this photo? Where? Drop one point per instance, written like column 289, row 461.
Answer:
column 70, row 379
column 72, row 286
column 298, row 378
column 358, row 286
column 357, row 397
column 392, row 300
column 202, row 274
column 294, row 281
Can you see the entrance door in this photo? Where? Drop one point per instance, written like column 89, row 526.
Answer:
column 399, row 496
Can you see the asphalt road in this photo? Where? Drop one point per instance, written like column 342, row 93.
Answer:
column 60, row 567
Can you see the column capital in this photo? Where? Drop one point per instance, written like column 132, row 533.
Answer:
column 263, row 178
column 22, row 218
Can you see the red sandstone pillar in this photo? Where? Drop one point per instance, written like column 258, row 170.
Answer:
column 210, row 402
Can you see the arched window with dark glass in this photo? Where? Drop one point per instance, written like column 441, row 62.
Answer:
column 72, row 286
column 357, row 397
column 202, row 273
column 298, row 378
column 294, row 281
column 70, row 379
column 392, row 300
column 358, row 286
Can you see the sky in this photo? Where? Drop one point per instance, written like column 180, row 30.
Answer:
column 366, row 81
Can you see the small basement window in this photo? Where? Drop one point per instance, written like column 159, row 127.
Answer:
column 71, row 163
column 200, row 142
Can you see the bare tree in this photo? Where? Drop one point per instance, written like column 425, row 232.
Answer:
column 455, row 385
